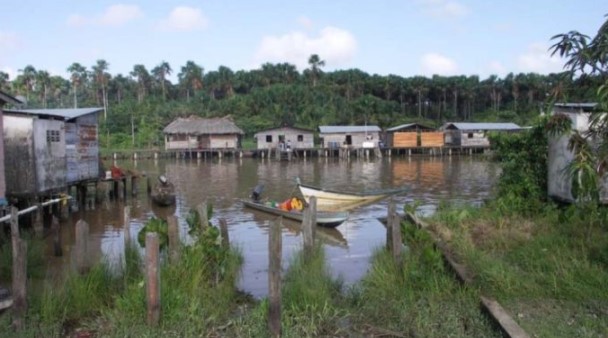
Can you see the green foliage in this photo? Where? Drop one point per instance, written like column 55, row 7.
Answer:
column 35, row 258
column 522, row 186
column 157, row 225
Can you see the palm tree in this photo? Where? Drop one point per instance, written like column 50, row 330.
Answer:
column 140, row 73
column 101, row 79
column 315, row 63
column 161, row 72
column 191, row 77
column 29, row 77
column 3, row 80
column 77, row 76
column 43, row 78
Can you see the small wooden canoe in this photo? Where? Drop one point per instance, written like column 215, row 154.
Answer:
column 337, row 200
column 163, row 193
column 325, row 219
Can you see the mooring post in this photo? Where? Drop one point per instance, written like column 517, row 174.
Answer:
column 152, row 279
column 19, row 272
column 224, row 233
column 82, row 235
column 134, row 185
column 274, row 277
column 173, row 233
column 127, row 224
column 148, row 185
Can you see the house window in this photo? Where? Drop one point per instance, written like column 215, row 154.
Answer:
column 52, row 136
column 268, row 138
column 470, row 135
column 300, row 138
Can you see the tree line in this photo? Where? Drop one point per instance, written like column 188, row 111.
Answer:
column 139, row 104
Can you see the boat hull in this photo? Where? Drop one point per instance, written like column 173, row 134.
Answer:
column 324, row 219
column 334, row 200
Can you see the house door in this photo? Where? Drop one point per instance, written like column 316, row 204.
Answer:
column 349, row 140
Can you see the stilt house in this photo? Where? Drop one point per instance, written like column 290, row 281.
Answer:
column 50, row 149
column 350, row 136
column 4, row 99
column 196, row 133
column 413, row 135
column 470, row 134
column 276, row 137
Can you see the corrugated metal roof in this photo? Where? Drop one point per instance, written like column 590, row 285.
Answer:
column 195, row 125
column 348, row 129
column 482, row 126
column 67, row 113
column 303, row 130
column 408, row 125
column 6, row 98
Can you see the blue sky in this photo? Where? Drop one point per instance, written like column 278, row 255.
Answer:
column 406, row 37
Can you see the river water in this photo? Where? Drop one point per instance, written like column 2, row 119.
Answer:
column 430, row 180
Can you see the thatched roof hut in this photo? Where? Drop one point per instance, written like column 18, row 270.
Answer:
column 202, row 133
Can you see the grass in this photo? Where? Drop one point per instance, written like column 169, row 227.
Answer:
column 549, row 271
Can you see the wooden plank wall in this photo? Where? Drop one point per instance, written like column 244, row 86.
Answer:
column 405, row 140
column 432, row 139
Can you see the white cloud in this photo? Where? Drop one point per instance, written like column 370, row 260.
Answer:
column 115, row 15
column 538, row 59
column 434, row 63
column 118, row 15
column 184, row 18
column 444, row 8
column 333, row 45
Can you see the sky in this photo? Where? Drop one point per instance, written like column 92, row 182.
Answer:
column 400, row 37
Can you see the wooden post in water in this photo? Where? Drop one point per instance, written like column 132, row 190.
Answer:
column 274, row 277
column 152, row 279
column 173, row 233
column 82, row 235
column 127, row 224
column 202, row 212
column 124, row 188
column 148, row 185
column 224, row 233
column 395, row 229
column 134, row 185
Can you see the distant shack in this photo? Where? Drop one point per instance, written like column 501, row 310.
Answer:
column 412, row 135
column 350, row 136
column 50, row 149
column 471, row 134
column 197, row 133
column 299, row 138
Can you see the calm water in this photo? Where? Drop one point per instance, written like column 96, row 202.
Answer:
column 348, row 247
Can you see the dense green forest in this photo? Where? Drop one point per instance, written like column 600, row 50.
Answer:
column 138, row 105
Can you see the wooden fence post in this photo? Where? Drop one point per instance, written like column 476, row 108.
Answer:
column 202, row 212
column 19, row 272
column 56, row 229
column 173, row 233
column 224, row 233
column 127, row 224
column 274, row 277
column 395, row 229
column 38, row 221
column 82, row 235
column 389, row 223
column 152, row 279
column 308, row 226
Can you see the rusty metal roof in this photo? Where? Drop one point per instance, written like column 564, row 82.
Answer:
column 348, row 129
column 195, row 125
column 65, row 113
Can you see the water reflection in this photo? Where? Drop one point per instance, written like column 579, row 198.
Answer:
column 223, row 183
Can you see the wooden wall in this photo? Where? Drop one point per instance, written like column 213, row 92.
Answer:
column 432, row 139
column 405, row 139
